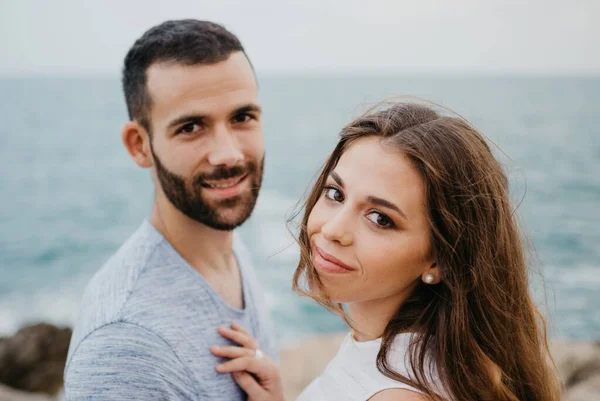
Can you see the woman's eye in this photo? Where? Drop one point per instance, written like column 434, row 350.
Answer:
column 380, row 219
column 334, row 194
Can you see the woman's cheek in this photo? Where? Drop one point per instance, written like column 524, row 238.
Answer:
column 315, row 219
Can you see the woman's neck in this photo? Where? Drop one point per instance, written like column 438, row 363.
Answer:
column 370, row 318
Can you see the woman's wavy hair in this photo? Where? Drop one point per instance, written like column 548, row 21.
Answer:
column 479, row 328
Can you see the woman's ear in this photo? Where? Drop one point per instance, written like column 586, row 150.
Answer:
column 432, row 274
column 137, row 142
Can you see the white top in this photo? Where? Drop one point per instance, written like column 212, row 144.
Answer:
column 353, row 375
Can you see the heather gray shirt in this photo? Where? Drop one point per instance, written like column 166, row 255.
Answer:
column 146, row 322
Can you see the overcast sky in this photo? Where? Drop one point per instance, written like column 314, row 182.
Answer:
column 316, row 36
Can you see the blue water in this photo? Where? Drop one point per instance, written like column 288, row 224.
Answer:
column 70, row 194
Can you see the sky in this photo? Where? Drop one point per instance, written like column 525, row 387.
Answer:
column 81, row 37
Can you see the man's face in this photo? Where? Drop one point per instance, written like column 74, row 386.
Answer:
column 207, row 140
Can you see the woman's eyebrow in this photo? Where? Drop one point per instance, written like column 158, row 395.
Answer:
column 382, row 202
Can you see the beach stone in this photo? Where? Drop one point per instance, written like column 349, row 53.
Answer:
column 33, row 360
column 578, row 364
column 588, row 390
column 9, row 394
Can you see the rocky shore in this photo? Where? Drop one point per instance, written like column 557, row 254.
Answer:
column 32, row 362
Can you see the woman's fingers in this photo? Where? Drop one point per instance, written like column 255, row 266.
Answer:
column 238, row 365
column 249, row 385
column 245, row 340
column 248, row 363
column 237, row 327
column 231, row 351
column 264, row 368
column 263, row 381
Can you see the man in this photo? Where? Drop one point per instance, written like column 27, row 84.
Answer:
column 150, row 314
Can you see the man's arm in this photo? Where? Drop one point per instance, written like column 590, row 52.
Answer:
column 123, row 361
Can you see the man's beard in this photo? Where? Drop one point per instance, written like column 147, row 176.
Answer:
column 225, row 214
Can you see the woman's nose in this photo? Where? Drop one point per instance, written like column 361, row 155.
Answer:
column 338, row 229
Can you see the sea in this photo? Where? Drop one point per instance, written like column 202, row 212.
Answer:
column 70, row 195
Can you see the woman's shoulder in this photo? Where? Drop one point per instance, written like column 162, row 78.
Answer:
column 395, row 394
column 362, row 358
column 353, row 373
column 398, row 359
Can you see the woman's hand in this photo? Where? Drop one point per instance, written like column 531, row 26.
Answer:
column 254, row 372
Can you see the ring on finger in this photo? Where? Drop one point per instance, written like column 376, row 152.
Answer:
column 258, row 354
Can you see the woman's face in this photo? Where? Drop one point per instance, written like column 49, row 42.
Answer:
column 369, row 230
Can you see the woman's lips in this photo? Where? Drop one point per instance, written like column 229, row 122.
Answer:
column 328, row 263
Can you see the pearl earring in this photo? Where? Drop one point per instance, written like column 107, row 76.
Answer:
column 428, row 278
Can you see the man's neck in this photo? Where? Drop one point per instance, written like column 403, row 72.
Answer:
column 201, row 246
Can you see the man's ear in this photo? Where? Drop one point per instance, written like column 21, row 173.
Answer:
column 137, row 142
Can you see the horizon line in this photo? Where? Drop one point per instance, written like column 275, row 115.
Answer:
column 342, row 74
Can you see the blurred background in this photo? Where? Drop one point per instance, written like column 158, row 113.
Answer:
column 527, row 73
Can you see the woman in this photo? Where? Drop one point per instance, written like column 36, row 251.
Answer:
column 410, row 227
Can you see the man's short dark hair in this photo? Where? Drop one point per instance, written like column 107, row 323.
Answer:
column 185, row 42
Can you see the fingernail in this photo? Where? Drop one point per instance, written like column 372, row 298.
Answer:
column 218, row 368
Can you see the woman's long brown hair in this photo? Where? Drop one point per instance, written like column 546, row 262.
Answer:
column 479, row 328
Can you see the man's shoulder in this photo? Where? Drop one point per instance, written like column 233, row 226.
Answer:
column 110, row 288
column 108, row 363
column 122, row 337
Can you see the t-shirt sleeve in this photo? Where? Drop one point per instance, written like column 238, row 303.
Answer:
column 123, row 361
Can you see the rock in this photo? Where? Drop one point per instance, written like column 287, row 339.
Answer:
column 9, row 394
column 33, row 360
column 578, row 363
column 585, row 391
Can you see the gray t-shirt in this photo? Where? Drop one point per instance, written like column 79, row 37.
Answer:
column 146, row 323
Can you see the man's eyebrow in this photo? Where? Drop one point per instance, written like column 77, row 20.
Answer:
column 248, row 108
column 185, row 119
column 387, row 204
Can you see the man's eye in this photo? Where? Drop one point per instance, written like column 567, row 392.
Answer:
column 381, row 220
column 242, row 118
column 189, row 128
column 334, row 194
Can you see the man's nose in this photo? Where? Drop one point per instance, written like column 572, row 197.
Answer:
column 225, row 150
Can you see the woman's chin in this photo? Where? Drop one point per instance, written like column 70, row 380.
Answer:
column 337, row 295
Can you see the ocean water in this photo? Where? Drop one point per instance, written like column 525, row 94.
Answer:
column 70, row 195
